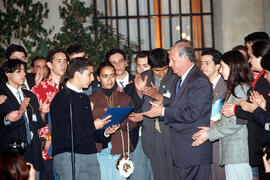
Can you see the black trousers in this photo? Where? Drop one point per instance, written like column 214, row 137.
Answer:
column 47, row 173
column 195, row 172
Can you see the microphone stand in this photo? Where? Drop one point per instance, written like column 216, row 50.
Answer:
column 72, row 139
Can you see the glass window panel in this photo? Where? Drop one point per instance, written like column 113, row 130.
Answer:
column 153, row 33
column 175, row 29
column 132, row 6
column 143, row 7
column 207, row 31
column 144, row 33
column 206, row 6
column 177, row 33
column 164, row 6
column 186, row 28
column 114, row 24
column 121, row 7
column 175, row 6
column 185, row 6
column 133, row 28
column 101, row 6
column 123, row 27
column 113, row 7
column 166, row 33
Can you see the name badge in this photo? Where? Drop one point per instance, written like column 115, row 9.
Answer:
column 167, row 94
column 34, row 117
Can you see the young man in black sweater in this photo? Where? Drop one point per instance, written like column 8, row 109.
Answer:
column 70, row 101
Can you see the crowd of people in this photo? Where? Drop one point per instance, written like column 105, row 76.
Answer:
column 202, row 123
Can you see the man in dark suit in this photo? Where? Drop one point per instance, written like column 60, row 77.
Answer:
column 19, row 114
column 190, row 107
column 158, row 85
column 210, row 64
column 15, row 51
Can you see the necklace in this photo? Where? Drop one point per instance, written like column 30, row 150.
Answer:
column 109, row 100
column 124, row 165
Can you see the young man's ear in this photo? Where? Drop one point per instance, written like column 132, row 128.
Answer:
column 217, row 67
column 126, row 63
column 77, row 75
column 49, row 64
column 7, row 74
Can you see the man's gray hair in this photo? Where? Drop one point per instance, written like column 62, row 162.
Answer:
column 186, row 51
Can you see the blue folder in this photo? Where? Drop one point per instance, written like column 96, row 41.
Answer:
column 216, row 107
column 118, row 115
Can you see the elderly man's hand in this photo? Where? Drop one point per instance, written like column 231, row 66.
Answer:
column 155, row 111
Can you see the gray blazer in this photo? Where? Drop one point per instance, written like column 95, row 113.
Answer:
column 233, row 138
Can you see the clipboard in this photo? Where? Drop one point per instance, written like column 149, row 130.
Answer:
column 118, row 115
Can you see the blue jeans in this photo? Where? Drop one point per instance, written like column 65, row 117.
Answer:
column 86, row 166
column 107, row 163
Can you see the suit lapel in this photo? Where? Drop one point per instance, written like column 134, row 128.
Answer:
column 184, row 84
column 164, row 81
column 219, row 89
column 13, row 102
column 28, row 109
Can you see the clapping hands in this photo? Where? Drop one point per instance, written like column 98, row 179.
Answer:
column 140, row 83
column 257, row 100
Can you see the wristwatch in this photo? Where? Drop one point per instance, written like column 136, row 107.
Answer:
column 6, row 122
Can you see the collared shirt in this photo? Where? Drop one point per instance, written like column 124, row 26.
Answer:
column 183, row 79
column 26, row 85
column 45, row 92
column 214, row 83
column 14, row 92
column 157, row 81
column 19, row 99
column 73, row 88
column 185, row 74
column 124, row 81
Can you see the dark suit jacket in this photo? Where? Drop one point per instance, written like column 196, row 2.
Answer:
column 166, row 88
column 190, row 108
column 30, row 78
column 261, row 117
column 220, row 89
column 17, row 129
